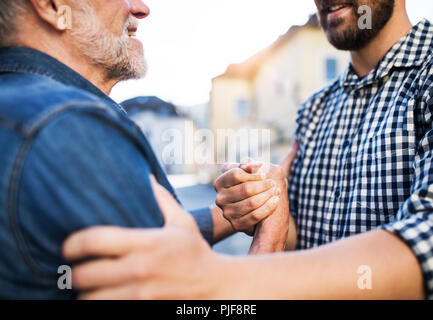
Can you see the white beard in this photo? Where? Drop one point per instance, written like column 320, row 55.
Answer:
column 115, row 54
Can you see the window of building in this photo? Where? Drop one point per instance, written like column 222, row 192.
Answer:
column 242, row 108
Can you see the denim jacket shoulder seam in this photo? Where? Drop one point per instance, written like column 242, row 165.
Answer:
column 51, row 113
column 21, row 69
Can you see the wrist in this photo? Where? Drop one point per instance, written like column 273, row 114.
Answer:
column 221, row 227
column 271, row 235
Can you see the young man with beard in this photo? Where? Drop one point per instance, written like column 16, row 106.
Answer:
column 361, row 189
column 70, row 156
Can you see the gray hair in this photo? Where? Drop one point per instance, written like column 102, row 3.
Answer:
column 10, row 11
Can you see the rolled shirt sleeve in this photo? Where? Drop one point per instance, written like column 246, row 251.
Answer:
column 203, row 217
column 414, row 222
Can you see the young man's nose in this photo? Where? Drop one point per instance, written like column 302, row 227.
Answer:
column 139, row 9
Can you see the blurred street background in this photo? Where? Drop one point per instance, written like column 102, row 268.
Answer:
column 228, row 64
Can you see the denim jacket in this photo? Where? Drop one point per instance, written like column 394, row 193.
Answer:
column 70, row 158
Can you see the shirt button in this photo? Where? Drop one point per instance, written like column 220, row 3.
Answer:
column 357, row 95
column 346, row 143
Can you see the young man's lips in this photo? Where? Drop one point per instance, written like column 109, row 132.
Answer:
column 337, row 11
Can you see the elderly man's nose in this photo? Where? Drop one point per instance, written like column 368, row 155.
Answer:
column 139, row 9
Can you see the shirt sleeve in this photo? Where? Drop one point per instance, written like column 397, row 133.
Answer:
column 204, row 220
column 296, row 166
column 414, row 223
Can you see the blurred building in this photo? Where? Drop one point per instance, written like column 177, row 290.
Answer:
column 266, row 90
column 166, row 128
column 199, row 113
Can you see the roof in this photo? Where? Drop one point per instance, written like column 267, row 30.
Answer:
column 151, row 104
column 249, row 68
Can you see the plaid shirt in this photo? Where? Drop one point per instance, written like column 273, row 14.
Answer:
column 365, row 156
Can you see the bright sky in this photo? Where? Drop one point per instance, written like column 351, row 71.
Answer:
column 189, row 42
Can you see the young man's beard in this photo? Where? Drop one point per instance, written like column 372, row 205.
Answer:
column 351, row 37
column 102, row 48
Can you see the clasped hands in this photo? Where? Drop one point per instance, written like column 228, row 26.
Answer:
column 254, row 199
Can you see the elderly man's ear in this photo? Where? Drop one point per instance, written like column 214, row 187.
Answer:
column 54, row 12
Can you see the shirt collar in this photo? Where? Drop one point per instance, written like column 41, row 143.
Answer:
column 27, row 60
column 410, row 51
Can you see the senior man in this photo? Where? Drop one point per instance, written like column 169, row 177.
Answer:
column 361, row 188
column 70, row 156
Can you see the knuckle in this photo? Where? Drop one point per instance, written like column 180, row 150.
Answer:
column 270, row 206
column 219, row 200
column 252, row 203
column 247, row 189
column 255, row 218
column 237, row 174
column 228, row 213
column 219, row 184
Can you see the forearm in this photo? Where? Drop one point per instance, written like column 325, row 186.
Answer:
column 221, row 227
column 292, row 237
column 331, row 271
column 271, row 234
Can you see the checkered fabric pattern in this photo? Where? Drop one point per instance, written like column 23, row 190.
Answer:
column 365, row 157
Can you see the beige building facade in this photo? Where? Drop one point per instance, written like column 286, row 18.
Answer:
column 267, row 90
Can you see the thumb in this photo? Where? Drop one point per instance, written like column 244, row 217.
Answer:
column 288, row 161
column 250, row 167
column 174, row 214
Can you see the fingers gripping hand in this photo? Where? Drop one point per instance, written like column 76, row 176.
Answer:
column 241, row 196
column 250, row 192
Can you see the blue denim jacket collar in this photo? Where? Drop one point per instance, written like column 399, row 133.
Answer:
column 27, row 60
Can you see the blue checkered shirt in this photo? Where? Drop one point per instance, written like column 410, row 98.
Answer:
column 365, row 156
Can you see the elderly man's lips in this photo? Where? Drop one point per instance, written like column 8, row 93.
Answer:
column 132, row 32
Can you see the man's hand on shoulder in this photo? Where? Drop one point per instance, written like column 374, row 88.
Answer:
column 139, row 264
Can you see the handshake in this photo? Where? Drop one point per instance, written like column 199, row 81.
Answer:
column 253, row 197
